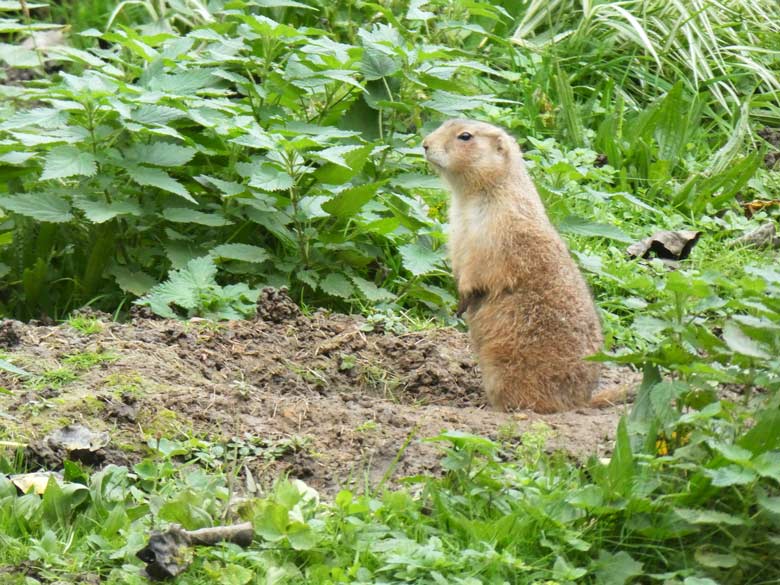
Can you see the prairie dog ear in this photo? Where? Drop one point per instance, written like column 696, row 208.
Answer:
column 502, row 143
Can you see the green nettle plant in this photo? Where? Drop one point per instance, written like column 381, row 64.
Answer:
column 272, row 150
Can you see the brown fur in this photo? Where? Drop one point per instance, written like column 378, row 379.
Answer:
column 530, row 313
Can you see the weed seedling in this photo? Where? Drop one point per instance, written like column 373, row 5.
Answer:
column 88, row 359
column 86, row 325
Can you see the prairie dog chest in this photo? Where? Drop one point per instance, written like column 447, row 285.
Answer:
column 471, row 230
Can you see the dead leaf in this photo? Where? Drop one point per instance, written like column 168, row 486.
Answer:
column 666, row 245
column 763, row 236
column 753, row 207
column 37, row 481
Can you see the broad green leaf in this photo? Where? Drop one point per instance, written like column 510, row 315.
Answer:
column 616, row 569
column 271, row 523
column 161, row 154
column 708, row 517
column 376, row 65
column 335, row 154
column 768, row 465
column 707, row 558
column 18, row 56
column 242, row 252
column 415, row 12
column 187, row 215
column 740, row 342
column 419, row 259
column 41, row 206
column 730, row 475
column 337, row 174
column 453, row 104
column 699, row 581
column 154, row 114
column 226, row 188
column 575, row 224
column 135, row 282
column 337, row 285
column 371, row 291
column 269, row 178
column 102, row 211
column 349, row 201
column 154, row 177
column 662, row 397
column 310, row 207
column 67, row 161
column 769, row 503
column 282, row 4
column 48, row 118
column 301, row 536
column 563, row 571
column 16, row 157
column 732, row 452
column 417, row 181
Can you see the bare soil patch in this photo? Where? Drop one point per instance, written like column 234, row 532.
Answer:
column 322, row 397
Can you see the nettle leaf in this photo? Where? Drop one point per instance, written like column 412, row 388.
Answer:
column 768, row 465
column 242, row 252
column 68, row 161
column 187, row 215
column 371, row 291
column 18, row 56
column 16, row 157
column 616, row 569
column 269, row 178
column 41, row 206
column 376, row 65
column 42, row 117
column 769, row 503
column 730, row 475
column 102, row 211
column 226, row 188
column 136, row 282
column 337, row 285
column 419, row 259
column 417, row 181
column 337, row 174
column 187, row 82
column 740, row 342
column 708, row 558
column 152, row 177
column 310, row 207
column 161, row 154
column 349, row 201
column 708, row 517
column 335, row 154
column 154, row 114
column 452, row 104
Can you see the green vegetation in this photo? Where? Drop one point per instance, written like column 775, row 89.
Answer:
column 86, row 325
column 189, row 153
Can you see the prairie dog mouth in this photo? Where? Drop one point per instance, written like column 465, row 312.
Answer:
column 432, row 160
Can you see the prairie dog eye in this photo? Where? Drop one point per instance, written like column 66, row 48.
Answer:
column 464, row 136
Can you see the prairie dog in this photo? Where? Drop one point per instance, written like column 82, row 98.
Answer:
column 530, row 313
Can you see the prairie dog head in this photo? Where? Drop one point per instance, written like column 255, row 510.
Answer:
column 471, row 155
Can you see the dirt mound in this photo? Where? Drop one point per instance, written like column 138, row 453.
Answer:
column 328, row 398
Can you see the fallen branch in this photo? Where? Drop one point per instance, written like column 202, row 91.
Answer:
column 166, row 555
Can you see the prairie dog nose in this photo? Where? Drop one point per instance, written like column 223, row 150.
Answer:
column 425, row 145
